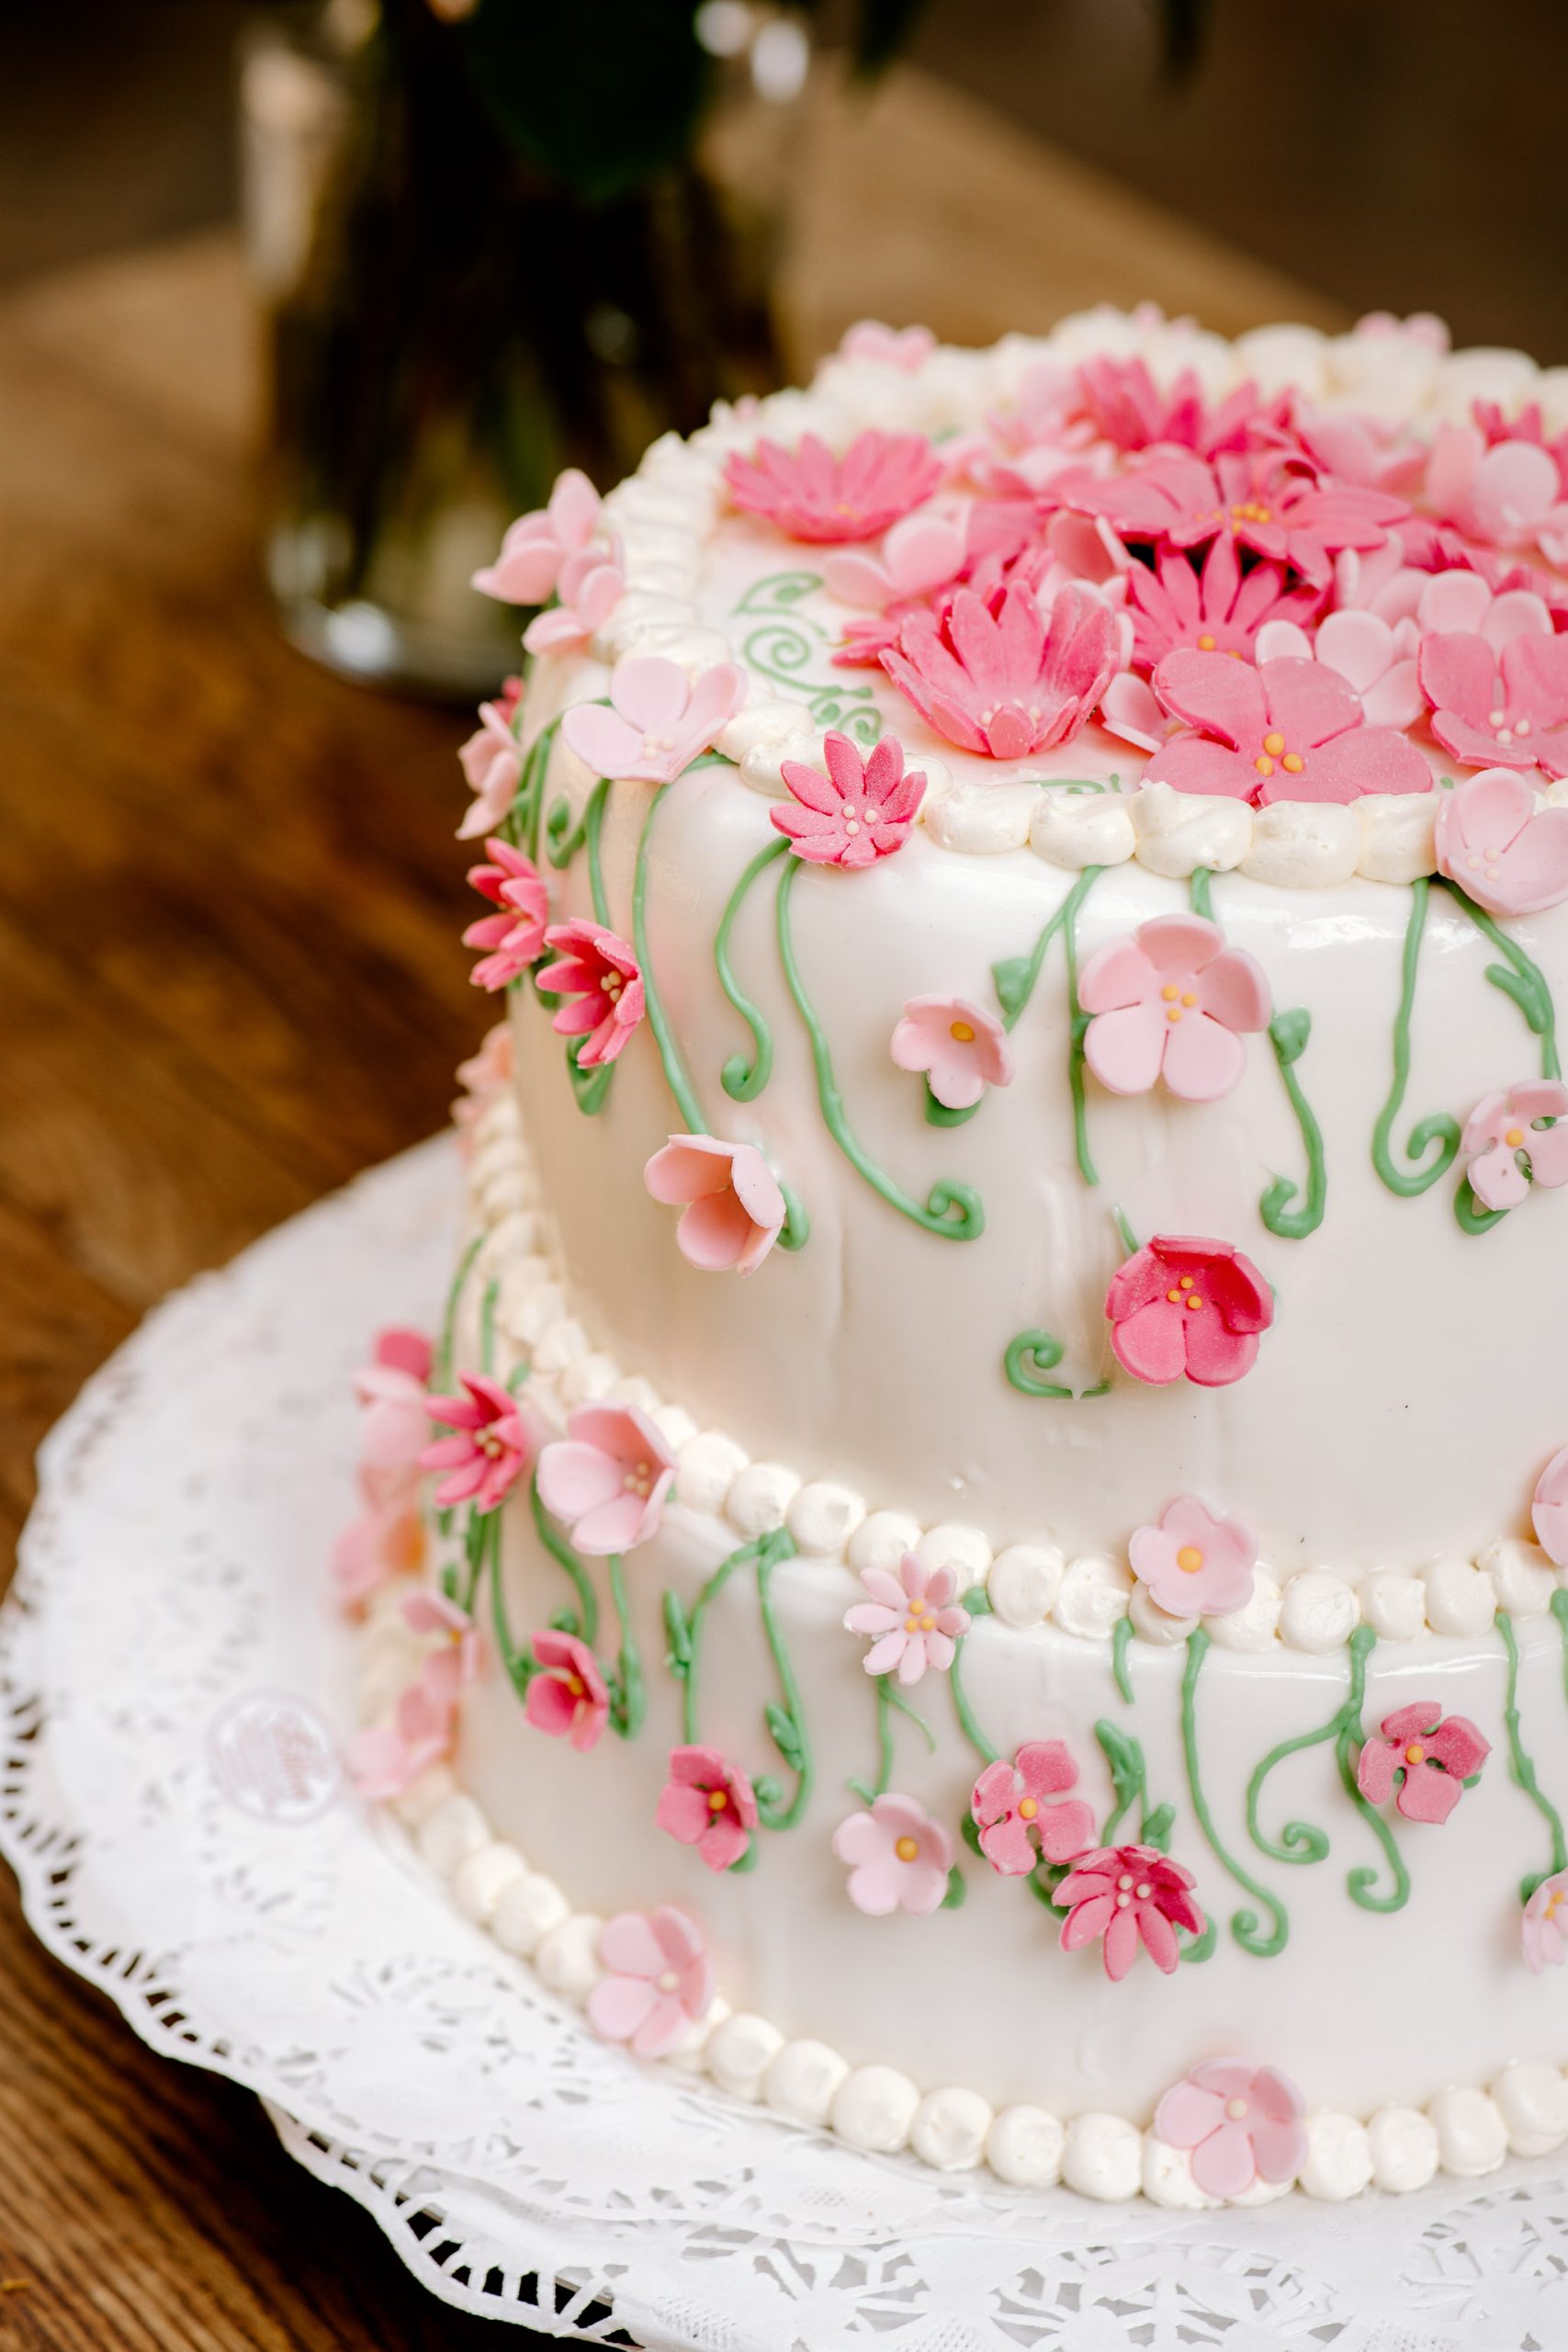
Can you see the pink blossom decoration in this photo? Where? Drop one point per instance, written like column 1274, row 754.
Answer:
column 591, row 585
column 385, row 1539
column 1217, row 610
column 482, row 1077
column 1287, row 730
column 514, row 938
column 905, row 348
column 493, row 1443
column 1503, row 1130
column 1128, row 1895
column 812, row 495
column 1128, row 407
column 395, row 1421
column 1426, row 1756
column 1129, row 710
column 1509, row 495
column 1193, row 1564
column 898, row 1858
column 733, row 1209
column 1186, row 1307
column 961, row 1047
column 861, row 810
column 536, row 545
column 1018, row 1827
column 1242, row 2123
column 1171, row 1001
column 454, row 1660
column 1544, row 1928
column 1008, row 683
column 1507, row 709
column 1276, row 513
column 566, row 1698
column 491, row 761
column 913, row 1615
column 607, row 1477
column 1549, row 1509
column 707, row 1803
column 601, row 985
column 1465, row 603
column 920, row 555
column 1375, row 658
column 1501, row 846
column 389, row 1757
column 656, row 722
column 657, row 1980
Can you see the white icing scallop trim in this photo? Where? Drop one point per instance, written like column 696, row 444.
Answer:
column 1030, row 1583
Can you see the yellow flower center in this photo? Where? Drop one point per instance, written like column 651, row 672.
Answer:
column 1205, row 643
column 1514, row 1137
column 1189, row 1559
column 963, row 1032
column 1414, row 1753
column 715, row 1799
column 1028, row 1808
column 907, row 1848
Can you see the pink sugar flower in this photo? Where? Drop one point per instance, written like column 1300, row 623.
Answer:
column 707, row 1803
column 387, row 1759
column 456, row 1653
column 1507, row 709
column 1129, row 710
column 1549, row 1509
column 1018, row 1827
column 1378, row 580
column 905, row 348
column 1287, row 730
column 566, row 1698
column 1127, row 1896
column 514, row 937
column 607, row 1477
column 914, row 1617
column 1464, row 603
column 493, row 1443
column 1171, row 1001
column 385, row 1540
column 961, row 1047
column 1217, row 610
column 812, row 495
column 658, row 720
column 1185, row 1307
column 1504, row 1130
column 599, row 981
column 1375, row 658
column 1501, row 846
column 395, row 1422
column 1508, row 494
column 919, row 556
column 1193, row 1564
column 658, row 1980
column 591, row 585
column 491, row 761
column 861, row 810
column 483, row 1075
column 733, row 1211
column 1283, row 515
column 537, row 545
column 1128, row 407
column 1544, row 1931
column 1008, row 683
column 1242, row 2123
column 898, row 1858
column 1426, row 1756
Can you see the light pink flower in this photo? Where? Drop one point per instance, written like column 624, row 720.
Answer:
column 905, row 348
column 1544, row 1931
column 456, row 1653
column 914, row 1617
column 1217, row 610
column 492, row 761
column 898, row 1858
column 812, row 495
column 1242, row 2123
column 607, row 1477
column 861, row 810
column 536, row 545
column 568, row 1698
column 1280, row 514
column 1018, row 1827
column 591, row 585
column 1128, row 1894
column 1287, row 730
column 601, row 985
column 658, row 1980
column 1426, row 1756
column 394, row 1423
column 1128, row 407
column 733, row 1211
column 493, row 1443
column 1375, row 658
column 1193, row 1564
column 1171, row 1001
column 385, row 1540
column 1378, row 580
column 1185, row 1307
column 1464, row 603
column 707, row 1803
column 919, row 556
column 1507, row 709
column 1008, row 683
column 1503, row 1130
column 656, row 722
column 961, row 1047
column 483, row 1075
column 388, row 1759
column 1509, row 495
column 1129, row 710
column 514, row 938
column 1549, row 1509
column 1501, row 846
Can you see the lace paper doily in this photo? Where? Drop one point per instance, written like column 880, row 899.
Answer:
column 173, row 1680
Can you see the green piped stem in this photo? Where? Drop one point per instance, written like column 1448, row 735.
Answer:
column 487, row 1325
column 522, row 824
column 1518, row 977
column 586, row 1623
column 743, row 1081
column 1559, row 1611
column 1244, row 1925
column 1361, row 1882
column 1119, row 1642
column 1439, row 1128
column 1300, row 1841
column 795, row 1748
column 1037, row 1352
column 1521, row 1767
column 629, row 1700
column 1015, row 977
column 961, row 1706
column 443, row 1380
column 1198, row 892
column 1078, row 1030
column 1287, row 1036
column 561, row 846
column 686, row 1632
column 520, row 1666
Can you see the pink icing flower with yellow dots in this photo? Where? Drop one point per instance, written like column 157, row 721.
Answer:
column 1183, row 1307
column 812, row 495
column 1120, row 1896
column 1018, row 1824
column 732, row 1209
column 656, row 722
column 1242, row 2123
column 1193, row 1564
column 961, row 1047
column 1544, row 1927
column 607, row 1477
column 1507, row 709
column 493, row 1443
column 657, row 1980
column 1507, row 1149
column 566, row 1698
column 599, row 981
column 1426, row 1756
column 707, row 1803
column 1172, row 1002
column 898, row 1858
column 514, row 937
column 1010, row 682
column 861, row 810
column 914, row 1617
column 1286, row 731
column 1503, row 849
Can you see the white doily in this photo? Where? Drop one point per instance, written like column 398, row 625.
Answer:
column 172, row 1678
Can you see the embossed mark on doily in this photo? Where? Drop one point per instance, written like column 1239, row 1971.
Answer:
column 275, row 1758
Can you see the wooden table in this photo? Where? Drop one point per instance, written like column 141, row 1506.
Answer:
column 228, row 908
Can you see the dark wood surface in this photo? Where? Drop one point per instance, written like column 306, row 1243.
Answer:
column 229, row 978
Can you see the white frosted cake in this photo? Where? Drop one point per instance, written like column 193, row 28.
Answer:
column 977, row 1555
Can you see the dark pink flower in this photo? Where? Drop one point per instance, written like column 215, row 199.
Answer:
column 599, row 981
column 1507, row 709
column 1506, row 852
column 1279, row 513
column 1426, row 1756
column 515, row 937
column 568, row 1698
column 607, row 1477
column 658, row 1980
column 1185, row 1307
column 1504, row 1132
column 1008, row 683
column 656, row 722
column 707, row 1803
column 1018, row 1827
column 1125, row 405
column 813, row 495
column 493, row 1443
column 861, row 810
column 1128, row 1894
column 1287, row 730
column 1171, row 1001
column 914, row 1617
column 536, row 545
column 733, row 1209
column 1242, row 2123
column 1218, row 610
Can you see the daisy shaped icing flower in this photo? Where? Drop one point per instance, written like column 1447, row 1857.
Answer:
column 1217, row 610
column 1121, row 1896
column 597, row 977
column 1426, row 1756
column 1009, row 683
column 1193, row 1564
column 861, row 810
column 732, row 1209
column 566, row 1698
column 914, row 1617
column 960, row 1046
column 1505, row 851
column 1171, row 1001
column 1022, row 1811
column 1543, row 1931
column 657, row 1980
column 1184, row 1308
column 1512, row 1141
column 1549, row 1509
column 707, row 1803
column 607, row 1478
column 1287, row 730
column 493, row 1443
column 1243, row 2123
column 812, row 495
column 898, row 1858
column 656, row 722
column 537, row 545
column 492, row 761
column 513, row 937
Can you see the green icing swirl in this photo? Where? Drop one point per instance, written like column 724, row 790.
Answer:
column 1299, row 1841
column 1037, row 1352
column 743, row 1081
column 1246, row 1925
column 782, row 645
column 787, row 1724
column 629, row 1700
column 561, row 846
column 1288, row 1033
column 1521, row 1769
column 1439, row 1128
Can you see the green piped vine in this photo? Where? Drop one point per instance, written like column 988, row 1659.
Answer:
column 1439, row 1127
column 1521, row 1769
column 782, row 642
column 1245, row 1925
column 785, row 1717
column 743, row 1079
column 1032, row 1355
column 1302, row 1841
